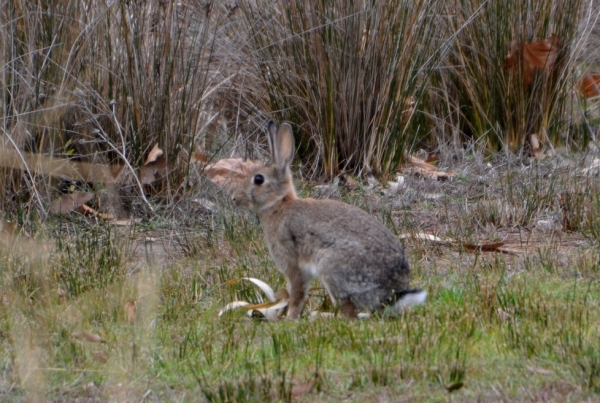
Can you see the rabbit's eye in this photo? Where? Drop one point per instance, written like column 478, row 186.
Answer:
column 259, row 179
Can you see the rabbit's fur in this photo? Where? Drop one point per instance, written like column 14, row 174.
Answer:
column 359, row 261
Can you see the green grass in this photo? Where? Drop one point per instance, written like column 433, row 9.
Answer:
column 495, row 327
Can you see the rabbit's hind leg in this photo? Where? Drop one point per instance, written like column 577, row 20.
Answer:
column 347, row 308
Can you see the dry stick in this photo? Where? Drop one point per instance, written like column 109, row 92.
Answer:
column 122, row 155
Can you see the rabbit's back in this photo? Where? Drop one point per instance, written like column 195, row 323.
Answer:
column 352, row 253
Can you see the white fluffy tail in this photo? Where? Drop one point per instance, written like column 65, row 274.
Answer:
column 409, row 299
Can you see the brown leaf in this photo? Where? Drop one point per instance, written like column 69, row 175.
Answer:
column 589, row 85
column 348, row 181
column 92, row 338
column 153, row 154
column 117, row 172
column 485, row 247
column 155, row 166
column 67, row 203
column 499, row 247
column 55, row 166
column 230, row 172
column 530, row 56
column 509, row 250
column 542, row 54
column 125, row 223
column 87, row 210
column 536, row 147
column 426, row 237
column 9, row 230
column 130, row 311
column 300, row 389
column 200, row 157
column 419, row 167
column 8, row 227
column 100, row 356
column 153, row 170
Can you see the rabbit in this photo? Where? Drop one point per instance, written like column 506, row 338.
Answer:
column 360, row 262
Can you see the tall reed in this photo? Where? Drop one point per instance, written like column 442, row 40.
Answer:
column 349, row 74
column 104, row 82
column 482, row 98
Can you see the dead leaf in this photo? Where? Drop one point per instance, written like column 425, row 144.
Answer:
column 153, row 154
column 484, row 247
column 92, row 338
column 155, row 166
column 499, row 247
column 117, row 172
column 125, row 223
column 589, row 85
column 426, row 237
column 130, row 311
column 540, row 371
column 348, row 181
column 536, row 147
column 55, row 166
column 265, row 305
column 8, row 227
column 69, row 202
column 87, row 210
column 100, row 356
column 530, row 56
column 419, row 167
column 509, row 250
column 200, row 157
column 300, row 389
column 230, row 172
column 433, row 158
column 10, row 230
column 153, row 171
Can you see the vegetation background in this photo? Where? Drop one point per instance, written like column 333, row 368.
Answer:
column 121, row 105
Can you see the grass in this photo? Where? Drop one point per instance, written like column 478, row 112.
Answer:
column 496, row 327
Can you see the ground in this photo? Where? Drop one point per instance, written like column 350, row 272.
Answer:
column 93, row 313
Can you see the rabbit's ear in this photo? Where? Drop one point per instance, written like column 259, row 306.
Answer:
column 283, row 150
column 272, row 137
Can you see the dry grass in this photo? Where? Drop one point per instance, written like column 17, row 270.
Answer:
column 497, row 327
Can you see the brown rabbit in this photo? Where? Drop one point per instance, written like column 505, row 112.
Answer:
column 359, row 261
